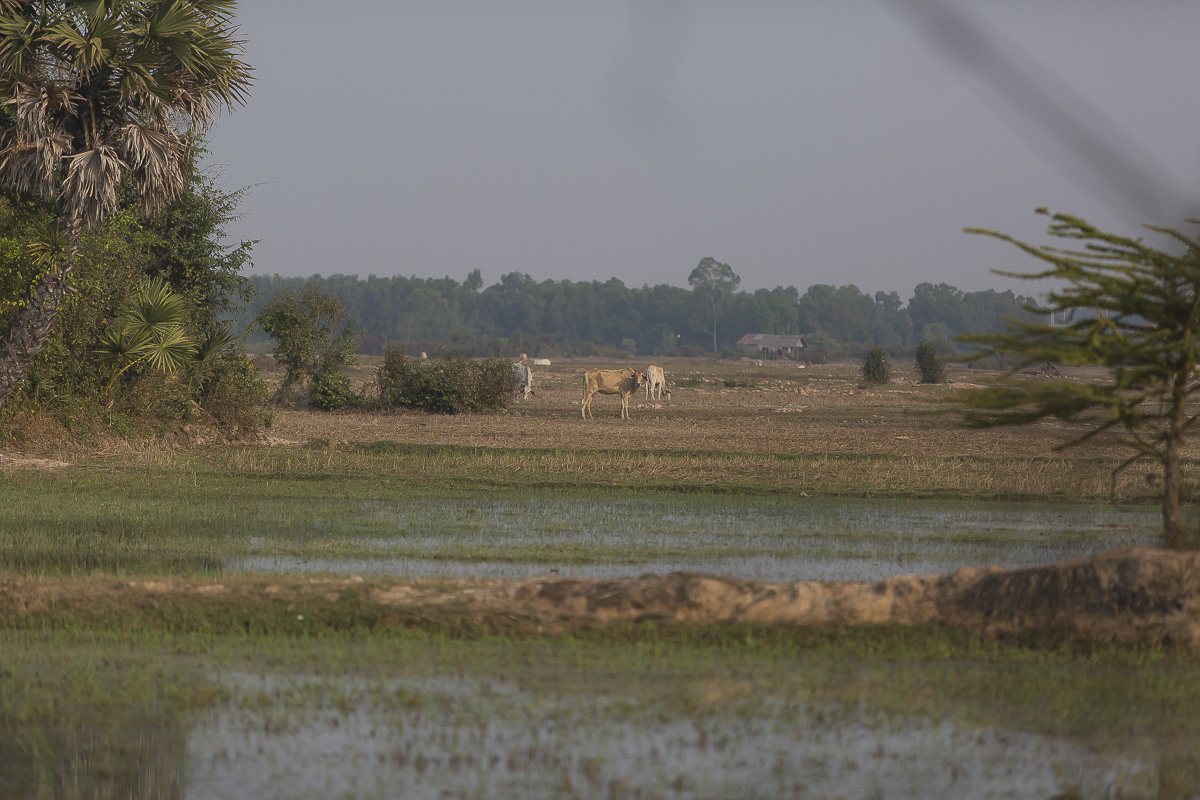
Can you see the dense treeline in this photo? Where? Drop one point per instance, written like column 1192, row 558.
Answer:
column 520, row 315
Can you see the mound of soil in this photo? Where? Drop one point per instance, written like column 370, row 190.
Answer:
column 1129, row 595
column 1124, row 596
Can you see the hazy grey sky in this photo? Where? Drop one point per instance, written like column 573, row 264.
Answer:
column 823, row 141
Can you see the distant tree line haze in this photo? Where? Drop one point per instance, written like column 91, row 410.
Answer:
column 607, row 318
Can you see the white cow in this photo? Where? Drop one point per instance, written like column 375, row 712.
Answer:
column 524, row 376
column 656, row 382
column 611, row 381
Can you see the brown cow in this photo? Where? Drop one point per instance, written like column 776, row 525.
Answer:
column 611, row 381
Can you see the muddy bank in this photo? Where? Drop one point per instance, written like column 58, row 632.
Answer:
column 1128, row 595
column 1124, row 596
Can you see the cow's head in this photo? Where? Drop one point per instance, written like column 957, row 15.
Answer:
column 639, row 375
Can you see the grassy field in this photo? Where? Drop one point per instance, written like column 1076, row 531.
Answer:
column 153, row 700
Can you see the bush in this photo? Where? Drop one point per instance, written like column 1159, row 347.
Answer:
column 876, row 370
column 313, row 333
column 232, row 392
column 445, row 384
column 331, row 391
column 929, row 364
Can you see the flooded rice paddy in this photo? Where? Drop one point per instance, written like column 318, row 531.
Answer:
column 383, row 716
column 457, row 737
column 770, row 539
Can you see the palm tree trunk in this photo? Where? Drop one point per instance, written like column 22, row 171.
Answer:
column 30, row 329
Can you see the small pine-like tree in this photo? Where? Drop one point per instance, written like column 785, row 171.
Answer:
column 876, row 370
column 929, row 364
column 1139, row 319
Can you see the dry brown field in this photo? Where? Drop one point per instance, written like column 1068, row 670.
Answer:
column 776, row 408
column 791, row 426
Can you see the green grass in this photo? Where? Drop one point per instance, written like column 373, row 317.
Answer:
column 203, row 513
column 379, row 469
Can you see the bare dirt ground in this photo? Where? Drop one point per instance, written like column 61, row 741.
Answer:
column 16, row 462
column 1126, row 596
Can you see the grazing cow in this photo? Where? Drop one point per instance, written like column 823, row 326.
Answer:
column 524, row 376
column 611, row 381
column 656, row 382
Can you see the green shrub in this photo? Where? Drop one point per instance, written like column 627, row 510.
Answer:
column 929, row 364
column 445, row 384
column 313, row 333
column 231, row 391
column 331, row 391
column 876, row 370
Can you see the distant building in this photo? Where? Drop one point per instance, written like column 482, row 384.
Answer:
column 774, row 345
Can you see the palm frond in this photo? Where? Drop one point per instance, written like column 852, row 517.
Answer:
column 32, row 166
column 211, row 345
column 50, row 249
column 150, row 330
column 157, row 156
column 89, row 190
column 17, row 42
column 121, row 347
column 155, row 309
column 170, row 351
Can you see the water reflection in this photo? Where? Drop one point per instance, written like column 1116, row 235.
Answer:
column 466, row 739
column 773, row 539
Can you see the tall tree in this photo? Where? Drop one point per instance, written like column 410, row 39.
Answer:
column 1146, row 335
column 713, row 282
column 101, row 99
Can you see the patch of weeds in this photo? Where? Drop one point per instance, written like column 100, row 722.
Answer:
column 739, row 383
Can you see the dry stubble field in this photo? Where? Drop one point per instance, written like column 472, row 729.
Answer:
column 812, row 429
column 776, row 408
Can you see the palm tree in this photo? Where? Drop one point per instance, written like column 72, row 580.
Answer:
column 150, row 331
column 101, row 98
